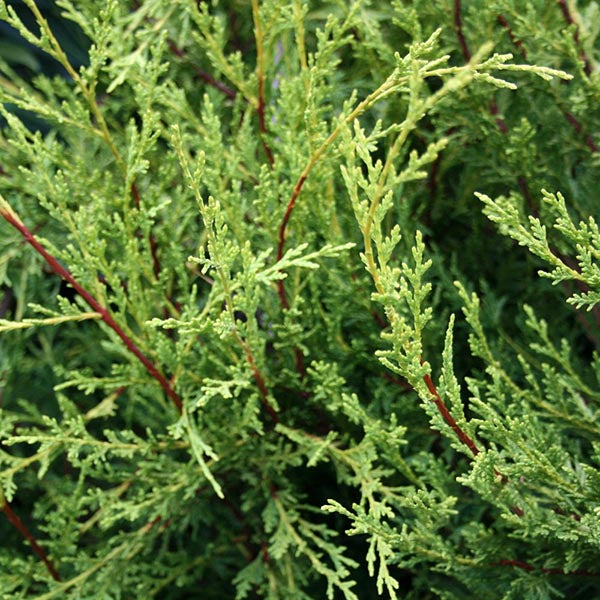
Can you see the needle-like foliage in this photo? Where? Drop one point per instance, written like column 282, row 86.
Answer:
column 286, row 310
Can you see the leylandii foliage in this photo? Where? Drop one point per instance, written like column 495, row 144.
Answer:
column 286, row 309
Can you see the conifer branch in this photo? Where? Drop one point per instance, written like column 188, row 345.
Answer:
column 260, row 77
column 371, row 265
column 387, row 87
column 567, row 114
column 212, row 45
column 445, row 413
column 369, row 259
column 18, row 524
column 517, row 42
column 462, row 42
column 402, row 472
column 89, row 95
column 57, row 52
column 206, row 77
column 80, row 578
column 12, row 218
column 522, row 182
column 260, row 382
column 282, row 229
column 151, row 237
column 579, row 129
column 209, row 221
column 568, row 17
column 584, row 288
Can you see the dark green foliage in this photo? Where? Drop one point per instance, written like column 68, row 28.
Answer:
column 286, row 310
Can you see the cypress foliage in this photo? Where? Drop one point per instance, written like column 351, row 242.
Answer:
column 299, row 300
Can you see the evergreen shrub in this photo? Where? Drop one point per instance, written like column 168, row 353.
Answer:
column 300, row 300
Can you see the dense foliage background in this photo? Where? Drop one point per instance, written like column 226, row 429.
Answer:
column 229, row 371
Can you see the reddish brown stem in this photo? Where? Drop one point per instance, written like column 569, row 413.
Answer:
column 203, row 74
column 587, row 65
column 443, row 410
column 265, row 552
column 579, row 129
column 518, row 43
column 459, row 31
column 299, row 358
column 379, row 319
column 281, row 238
column 95, row 305
column 396, row 381
column 569, row 116
column 523, row 186
column 500, row 122
column 519, row 564
column 522, row 182
column 462, row 435
column 282, row 296
column 135, row 194
column 262, row 387
column 16, row 522
column 288, row 214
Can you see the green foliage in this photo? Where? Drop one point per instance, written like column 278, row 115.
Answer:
column 264, row 331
